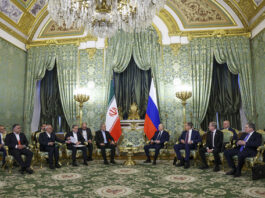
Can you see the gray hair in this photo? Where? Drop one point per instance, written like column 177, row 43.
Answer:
column 251, row 125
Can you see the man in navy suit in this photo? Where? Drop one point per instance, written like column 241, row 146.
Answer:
column 246, row 147
column 188, row 141
column 226, row 125
column 157, row 142
column 2, row 144
column 47, row 142
column 75, row 141
column 87, row 135
column 17, row 145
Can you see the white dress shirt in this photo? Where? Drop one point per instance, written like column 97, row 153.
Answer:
column 159, row 135
column 75, row 136
column 104, row 136
column 49, row 135
column 18, row 138
column 2, row 141
column 84, row 134
column 213, row 137
column 190, row 133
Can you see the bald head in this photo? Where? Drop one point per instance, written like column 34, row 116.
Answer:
column 226, row 124
column 160, row 127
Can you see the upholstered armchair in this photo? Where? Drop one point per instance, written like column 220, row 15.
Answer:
column 227, row 143
column 164, row 152
column 258, row 159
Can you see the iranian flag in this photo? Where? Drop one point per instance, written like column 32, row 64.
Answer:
column 113, row 124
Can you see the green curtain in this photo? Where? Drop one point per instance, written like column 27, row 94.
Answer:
column 235, row 51
column 131, row 86
column 225, row 98
column 51, row 107
column 43, row 58
column 202, row 66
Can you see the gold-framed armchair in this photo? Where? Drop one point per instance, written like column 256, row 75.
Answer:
column 43, row 156
column 10, row 160
column 163, row 152
column 258, row 159
column 194, row 153
column 227, row 143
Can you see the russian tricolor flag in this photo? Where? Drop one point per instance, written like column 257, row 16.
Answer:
column 152, row 119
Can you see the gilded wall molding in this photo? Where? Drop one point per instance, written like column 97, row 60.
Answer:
column 175, row 48
column 91, row 52
column 13, row 33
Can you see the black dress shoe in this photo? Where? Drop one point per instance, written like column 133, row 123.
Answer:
column 203, row 167
column 89, row 159
column 106, row 162
column 237, row 174
column 22, row 170
column 154, row 162
column 113, row 162
column 147, row 161
column 174, row 161
column 29, row 170
column 85, row 163
column 187, row 165
column 232, row 172
column 58, row 166
column 216, row 169
column 74, row 164
column 51, row 167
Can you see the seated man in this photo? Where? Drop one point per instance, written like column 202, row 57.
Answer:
column 75, row 141
column 214, row 143
column 188, row 140
column 47, row 144
column 157, row 142
column 87, row 135
column 2, row 144
column 17, row 144
column 246, row 147
column 226, row 125
column 105, row 140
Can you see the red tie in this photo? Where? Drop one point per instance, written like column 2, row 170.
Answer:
column 19, row 142
column 187, row 137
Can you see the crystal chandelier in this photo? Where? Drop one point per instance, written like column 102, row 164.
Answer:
column 103, row 18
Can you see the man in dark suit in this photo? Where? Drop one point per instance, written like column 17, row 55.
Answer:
column 214, row 143
column 47, row 142
column 105, row 140
column 157, row 142
column 188, row 140
column 87, row 135
column 17, row 144
column 2, row 144
column 226, row 125
column 246, row 147
column 75, row 141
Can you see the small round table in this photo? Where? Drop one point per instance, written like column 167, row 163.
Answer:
column 130, row 150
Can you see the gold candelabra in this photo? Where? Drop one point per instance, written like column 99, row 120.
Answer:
column 184, row 96
column 81, row 98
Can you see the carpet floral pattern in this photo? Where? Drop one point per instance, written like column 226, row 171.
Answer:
column 142, row 180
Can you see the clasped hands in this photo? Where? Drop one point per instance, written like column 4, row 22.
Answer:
column 21, row 147
column 156, row 141
column 102, row 144
column 241, row 143
column 183, row 141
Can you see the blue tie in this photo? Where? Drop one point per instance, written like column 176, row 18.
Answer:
column 242, row 147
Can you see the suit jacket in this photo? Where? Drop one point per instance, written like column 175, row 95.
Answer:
column 233, row 131
column 44, row 139
column 11, row 140
column 100, row 139
column 195, row 136
column 163, row 138
column 253, row 142
column 218, row 140
column 80, row 138
column 88, row 133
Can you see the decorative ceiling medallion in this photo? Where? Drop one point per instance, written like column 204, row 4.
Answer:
column 10, row 10
column 201, row 13
column 53, row 30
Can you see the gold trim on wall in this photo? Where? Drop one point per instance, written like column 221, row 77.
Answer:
column 13, row 33
column 258, row 21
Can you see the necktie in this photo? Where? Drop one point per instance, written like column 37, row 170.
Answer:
column 245, row 139
column 19, row 143
column 187, row 137
column 158, row 137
